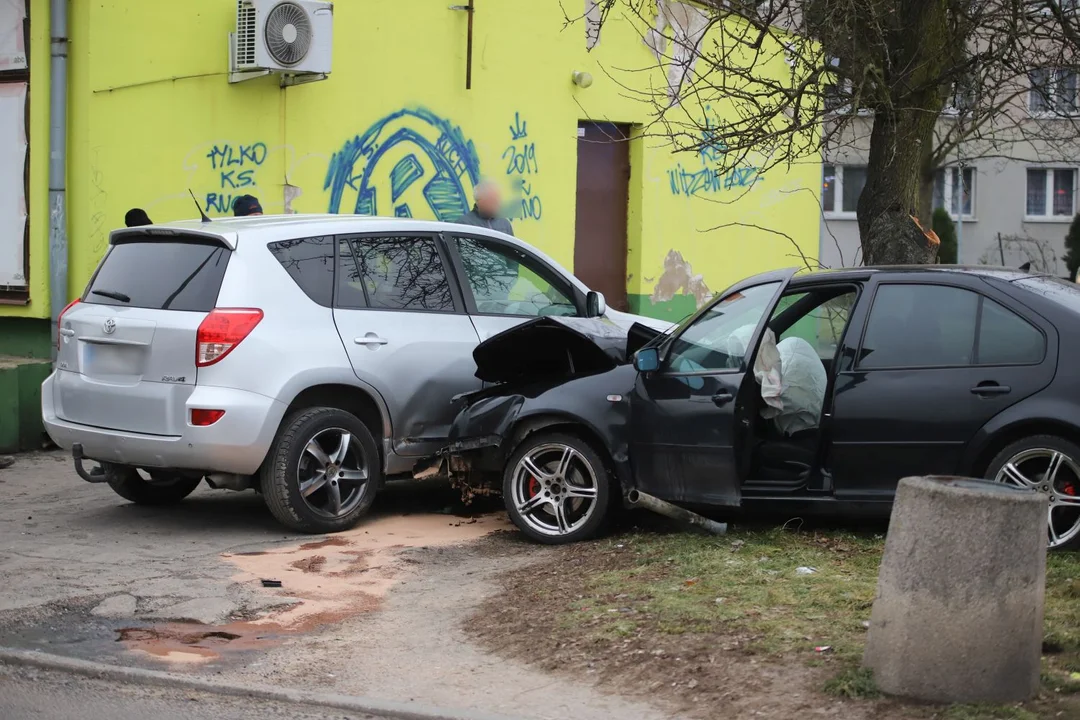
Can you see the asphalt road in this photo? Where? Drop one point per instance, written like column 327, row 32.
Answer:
column 29, row 694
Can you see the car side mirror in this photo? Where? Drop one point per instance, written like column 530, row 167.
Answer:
column 595, row 305
column 647, row 360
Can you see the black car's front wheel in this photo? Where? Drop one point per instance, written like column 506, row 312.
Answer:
column 1050, row 465
column 557, row 489
column 322, row 472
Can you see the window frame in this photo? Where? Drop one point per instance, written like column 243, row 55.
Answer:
column 982, row 296
column 448, row 269
column 333, row 265
column 838, row 192
column 1052, row 95
column 840, row 289
column 949, row 175
column 966, row 90
column 846, row 88
column 665, row 350
column 561, row 282
column 135, row 238
column 1048, row 205
column 15, row 294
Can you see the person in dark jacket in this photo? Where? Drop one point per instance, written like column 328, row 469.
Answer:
column 246, row 205
column 137, row 217
column 486, row 211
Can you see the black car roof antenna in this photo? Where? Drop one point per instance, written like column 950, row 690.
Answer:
column 203, row 215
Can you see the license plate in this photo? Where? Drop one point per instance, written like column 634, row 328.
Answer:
column 111, row 360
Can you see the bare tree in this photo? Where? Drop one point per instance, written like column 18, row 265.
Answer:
column 920, row 80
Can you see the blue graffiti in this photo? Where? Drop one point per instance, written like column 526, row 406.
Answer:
column 528, row 206
column 237, row 155
column 385, row 164
column 520, row 129
column 704, row 181
column 521, row 161
column 236, row 166
column 711, row 149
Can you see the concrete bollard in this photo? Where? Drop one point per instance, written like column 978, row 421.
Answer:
column 958, row 615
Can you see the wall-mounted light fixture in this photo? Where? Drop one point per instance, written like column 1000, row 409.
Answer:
column 582, row 79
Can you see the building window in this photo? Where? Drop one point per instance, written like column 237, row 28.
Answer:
column 961, row 97
column 1051, row 193
column 1053, row 91
column 838, row 94
column 841, row 187
column 14, row 151
column 949, row 194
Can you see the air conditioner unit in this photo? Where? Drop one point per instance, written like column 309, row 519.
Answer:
column 290, row 37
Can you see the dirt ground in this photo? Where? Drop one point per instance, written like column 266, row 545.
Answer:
column 376, row 611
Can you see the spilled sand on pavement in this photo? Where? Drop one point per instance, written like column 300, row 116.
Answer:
column 322, row 582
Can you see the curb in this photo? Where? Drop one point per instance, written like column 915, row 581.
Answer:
column 139, row 676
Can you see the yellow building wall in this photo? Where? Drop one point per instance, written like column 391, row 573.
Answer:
column 153, row 116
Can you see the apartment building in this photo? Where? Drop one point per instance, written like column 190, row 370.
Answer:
column 1011, row 201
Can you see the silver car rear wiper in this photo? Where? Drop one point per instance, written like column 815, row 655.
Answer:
column 112, row 294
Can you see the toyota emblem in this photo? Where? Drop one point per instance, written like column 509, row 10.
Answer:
column 110, row 326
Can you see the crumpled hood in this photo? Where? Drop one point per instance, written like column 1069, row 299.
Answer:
column 551, row 347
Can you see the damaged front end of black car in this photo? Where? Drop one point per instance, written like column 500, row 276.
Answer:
column 549, row 430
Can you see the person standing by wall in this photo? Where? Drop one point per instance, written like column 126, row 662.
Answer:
column 246, row 205
column 137, row 217
column 487, row 210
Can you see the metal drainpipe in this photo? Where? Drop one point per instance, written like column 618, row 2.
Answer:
column 58, row 242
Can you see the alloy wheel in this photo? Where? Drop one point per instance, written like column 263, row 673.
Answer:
column 1056, row 475
column 554, row 489
column 332, row 473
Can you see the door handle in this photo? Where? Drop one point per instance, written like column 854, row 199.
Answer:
column 989, row 389
column 722, row 398
column 370, row 339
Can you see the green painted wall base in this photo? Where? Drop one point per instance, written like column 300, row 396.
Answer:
column 20, row 403
column 25, row 338
column 672, row 310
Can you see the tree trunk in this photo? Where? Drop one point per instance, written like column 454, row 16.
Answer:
column 890, row 201
column 917, row 46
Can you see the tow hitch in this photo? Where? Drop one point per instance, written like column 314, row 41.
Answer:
column 95, row 475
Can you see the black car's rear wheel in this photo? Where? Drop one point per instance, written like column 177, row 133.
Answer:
column 1050, row 465
column 557, row 489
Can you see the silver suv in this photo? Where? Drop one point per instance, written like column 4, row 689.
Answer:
column 308, row 357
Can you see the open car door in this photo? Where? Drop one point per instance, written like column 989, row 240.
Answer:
column 683, row 414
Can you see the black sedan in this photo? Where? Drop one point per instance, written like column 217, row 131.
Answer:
column 800, row 390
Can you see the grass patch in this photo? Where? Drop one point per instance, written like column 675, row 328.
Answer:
column 678, row 615
column 987, row 712
column 1062, row 623
column 853, row 684
column 746, row 588
column 748, row 581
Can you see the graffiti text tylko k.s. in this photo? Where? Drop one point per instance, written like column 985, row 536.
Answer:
column 235, row 166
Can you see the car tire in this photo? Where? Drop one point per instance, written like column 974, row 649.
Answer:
column 166, row 489
column 532, row 501
column 1029, row 460
column 290, row 475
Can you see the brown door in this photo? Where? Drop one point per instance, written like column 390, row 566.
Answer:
column 603, row 189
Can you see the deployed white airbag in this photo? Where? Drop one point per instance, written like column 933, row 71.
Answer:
column 793, row 381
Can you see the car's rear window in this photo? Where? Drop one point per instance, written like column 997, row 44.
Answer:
column 1062, row 292
column 162, row 274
